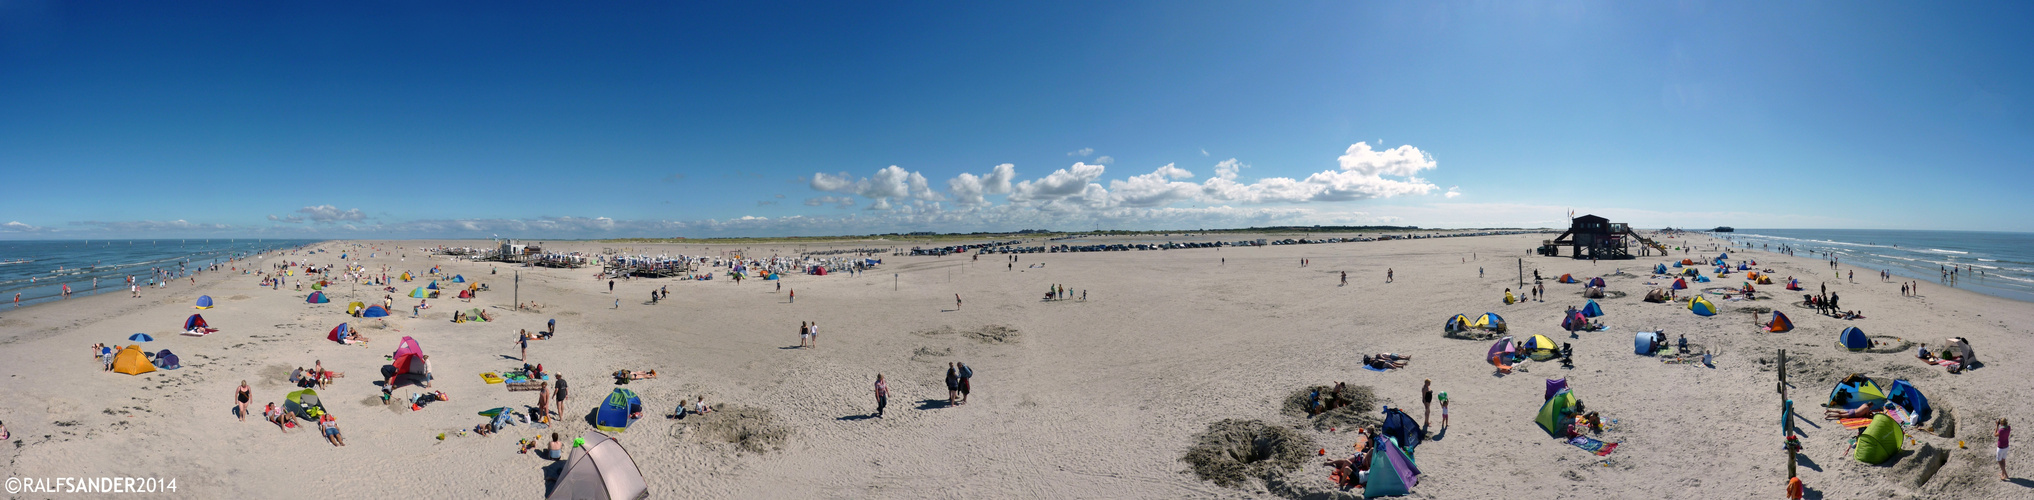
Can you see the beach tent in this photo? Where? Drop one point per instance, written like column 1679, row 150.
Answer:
column 302, row 403
column 195, row 321
column 1780, row 323
column 1557, row 414
column 1642, row 344
column 1794, row 285
column 1905, row 395
column 1701, row 279
column 1722, row 256
column 1679, row 264
column 1592, row 310
column 1659, row 269
column 1392, row 471
column 1567, row 279
column 1402, row 428
column 1596, row 282
column 1959, row 350
column 599, row 470
column 1880, row 441
column 318, row 286
column 1691, row 272
column 1489, row 321
column 460, row 278
column 474, row 315
column 613, row 415
column 374, row 311
column 418, row 293
column 141, row 337
column 409, row 358
column 432, row 286
column 1540, row 347
column 1503, row 347
column 1764, row 279
column 132, row 361
column 1854, row 339
column 168, row 360
column 1555, row 386
column 406, row 277
column 204, row 302
column 353, row 309
column 1680, row 284
column 1856, row 390
column 340, row 333
column 1574, row 321
column 1455, row 324
column 465, row 294
column 316, row 298
column 1702, row 307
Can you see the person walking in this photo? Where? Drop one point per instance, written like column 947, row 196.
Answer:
column 1388, row 277
column 241, row 396
column 610, row 285
column 882, row 395
column 965, row 374
column 559, row 395
column 1345, row 278
column 804, row 334
column 956, row 302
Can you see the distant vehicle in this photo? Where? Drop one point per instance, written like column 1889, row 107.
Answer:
column 1724, row 229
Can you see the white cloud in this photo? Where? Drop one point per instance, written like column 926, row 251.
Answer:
column 327, row 214
column 1204, row 151
column 968, row 189
column 890, row 182
column 1081, row 152
column 1105, row 159
column 1453, row 191
column 1155, row 189
column 1362, row 176
column 293, row 219
column 836, row 201
column 1059, row 184
column 18, row 227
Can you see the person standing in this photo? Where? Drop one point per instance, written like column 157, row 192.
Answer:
column 427, row 369
column 1427, row 399
column 952, row 385
column 559, row 395
column 965, row 374
column 610, row 285
column 2005, row 433
column 882, row 395
column 794, row 296
column 523, row 342
column 956, row 302
column 1345, row 278
column 1388, row 275
column 543, row 403
column 804, row 334
column 814, row 329
column 241, row 396
column 1444, row 409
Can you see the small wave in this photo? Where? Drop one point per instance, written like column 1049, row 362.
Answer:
column 1987, row 260
column 1946, row 251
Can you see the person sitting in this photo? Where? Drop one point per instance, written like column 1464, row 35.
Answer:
column 635, row 411
column 700, row 406
column 1682, row 343
column 484, row 429
column 458, row 316
column 556, row 451
column 1924, row 355
column 282, row 419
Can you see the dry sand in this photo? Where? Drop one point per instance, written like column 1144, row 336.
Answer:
column 1072, row 399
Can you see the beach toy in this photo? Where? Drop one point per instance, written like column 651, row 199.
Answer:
column 1324, row 452
column 579, row 442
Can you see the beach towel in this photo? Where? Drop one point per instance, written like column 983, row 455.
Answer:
column 197, row 333
column 1373, row 368
column 1593, row 445
column 1855, row 423
column 1899, row 414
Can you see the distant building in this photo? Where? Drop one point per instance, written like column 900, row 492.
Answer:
column 1594, row 237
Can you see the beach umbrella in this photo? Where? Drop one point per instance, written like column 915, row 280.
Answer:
column 140, row 337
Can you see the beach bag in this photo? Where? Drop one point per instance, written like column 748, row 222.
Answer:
column 967, row 371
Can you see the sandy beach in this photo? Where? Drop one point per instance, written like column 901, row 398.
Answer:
column 1094, row 398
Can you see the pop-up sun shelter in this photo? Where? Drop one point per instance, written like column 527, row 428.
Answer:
column 409, row 358
column 1680, row 284
column 374, row 311
column 168, row 360
column 1780, row 323
column 1392, row 471
column 613, row 415
column 1659, row 269
column 304, row 404
column 1592, row 310
column 1854, row 339
column 1642, row 344
column 195, row 321
column 1905, row 395
column 1540, row 347
column 1567, row 279
column 132, row 361
column 1402, row 428
column 1557, row 414
column 460, row 278
column 316, row 298
column 599, row 470
column 1490, row 321
column 1596, row 282
column 1702, row 307
column 340, row 333
column 1854, row 391
column 1455, row 324
column 204, row 302
column 418, row 293
column 432, row 286
column 353, row 308
column 1574, row 322
column 1880, row 441
column 474, row 315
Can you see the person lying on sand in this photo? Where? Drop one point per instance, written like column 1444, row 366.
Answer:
column 642, row 375
column 1840, row 414
column 1394, row 357
column 1381, row 364
column 329, row 425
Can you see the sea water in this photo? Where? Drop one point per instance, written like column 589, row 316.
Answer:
column 1995, row 263
column 53, row 264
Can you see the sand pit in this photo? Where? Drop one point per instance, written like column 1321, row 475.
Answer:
column 993, row 334
column 1360, row 411
column 748, row 429
column 1755, row 310
column 930, row 355
column 1232, row 452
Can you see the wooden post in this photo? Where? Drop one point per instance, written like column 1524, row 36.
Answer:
column 1788, row 425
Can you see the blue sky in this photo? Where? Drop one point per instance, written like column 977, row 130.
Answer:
column 432, row 119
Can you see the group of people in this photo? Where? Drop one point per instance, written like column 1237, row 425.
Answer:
column 808, row 334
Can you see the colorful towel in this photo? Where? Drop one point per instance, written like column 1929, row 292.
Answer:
column 1372, row 368
column 1593, row 445
column 1900, row 415
column 1855, row 423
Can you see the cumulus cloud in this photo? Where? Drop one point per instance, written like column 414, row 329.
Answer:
column 18, row 227
column 1105, row 159
column 1453, row 191
column 890, row 182
column 1362, row 175
column 327, row 214
column 1059, row 184
column 1081, row 152
column 1155, row 189
column 968, row 188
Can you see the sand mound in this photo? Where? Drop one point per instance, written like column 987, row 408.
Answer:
column 749, row 429
column 993, row 334
column 1361, row 410
column 928, row 354
column 1941, row 420
column 1807, row 372
column 1233, row 451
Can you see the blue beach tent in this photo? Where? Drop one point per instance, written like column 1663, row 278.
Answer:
column 1592, row 310
column 613, row 415
column 1854, row 339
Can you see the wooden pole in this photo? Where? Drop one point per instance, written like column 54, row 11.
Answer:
column 1787, row 426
